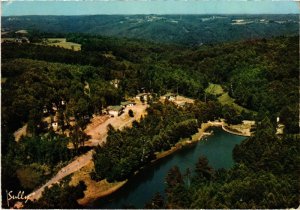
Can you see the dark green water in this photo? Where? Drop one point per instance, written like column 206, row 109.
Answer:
column 141, row 188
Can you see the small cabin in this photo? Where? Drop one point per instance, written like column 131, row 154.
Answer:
column 115, row 110
column 127, row 103
column 280, row 129
column 143, row 96
column 45, row 110
column 54, row 126
column 54, row 107
column 277, row 120
column 115, row 83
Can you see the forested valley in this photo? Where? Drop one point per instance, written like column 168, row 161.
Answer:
column 189, row 30
column 261, row 75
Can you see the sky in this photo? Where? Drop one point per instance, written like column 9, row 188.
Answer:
column 93, row 7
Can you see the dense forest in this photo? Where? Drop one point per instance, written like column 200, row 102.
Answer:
column 259, row 74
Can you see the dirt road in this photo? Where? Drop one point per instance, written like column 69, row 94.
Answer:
column 77, row 164
column 98, row 133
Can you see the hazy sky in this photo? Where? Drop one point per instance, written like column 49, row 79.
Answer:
column 86, row 7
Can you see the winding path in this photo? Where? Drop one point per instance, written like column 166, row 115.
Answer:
column 77, row 164
column 98, row 136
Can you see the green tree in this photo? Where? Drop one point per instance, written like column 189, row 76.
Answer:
column 157, row 202
column 203, row 170
column 130, row 113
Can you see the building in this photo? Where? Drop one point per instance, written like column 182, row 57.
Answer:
column 170, row 96
column 115, row 110
column 127, row 103
column 54, row 125
column 45, row 110
column 115, row 83
column 143, row 96
column 63, row 102
column 54, row 107
column 22, row 40
column 54, row 122
column 280, row 129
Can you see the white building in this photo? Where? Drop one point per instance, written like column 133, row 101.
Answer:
column 115, row 110
column 170, row 97
column 127, row 103
column 143, row 95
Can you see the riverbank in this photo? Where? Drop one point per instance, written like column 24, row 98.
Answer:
column 96, row 190
column 243, row 129
column 194, row 138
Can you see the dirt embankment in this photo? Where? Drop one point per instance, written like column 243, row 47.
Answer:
column 94, row 189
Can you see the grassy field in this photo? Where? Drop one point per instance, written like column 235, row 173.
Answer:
column 223, row 97
column 214, row 89
column 226, row 99
column 62, row 42
column 8, row 39
column 56, row 40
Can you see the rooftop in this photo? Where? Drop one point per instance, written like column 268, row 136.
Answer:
column 124, row 103
column 170, row 94
column 142, row 94
column 115, row 108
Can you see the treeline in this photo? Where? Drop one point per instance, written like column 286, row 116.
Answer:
column 55, row 54
column 266, row 175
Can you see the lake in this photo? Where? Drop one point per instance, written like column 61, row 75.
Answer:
column 142, row 187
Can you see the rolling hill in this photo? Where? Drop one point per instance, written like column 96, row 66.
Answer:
column 193, row 30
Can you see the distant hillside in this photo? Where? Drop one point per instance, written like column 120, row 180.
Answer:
column 183, row 29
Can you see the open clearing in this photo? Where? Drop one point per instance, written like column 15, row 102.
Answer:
column 224, row 98
column 214, row 89
column 62, row 42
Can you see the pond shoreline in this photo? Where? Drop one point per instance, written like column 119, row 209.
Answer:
column 89, row 198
